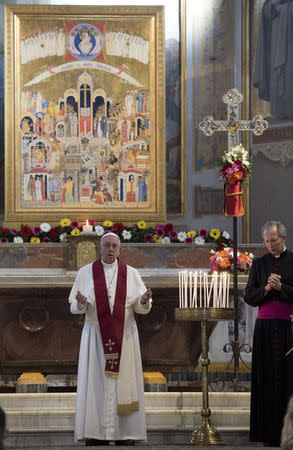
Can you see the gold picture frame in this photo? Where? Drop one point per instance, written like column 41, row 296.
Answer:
column 84, row 113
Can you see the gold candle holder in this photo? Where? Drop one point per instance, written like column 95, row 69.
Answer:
column 205, row 434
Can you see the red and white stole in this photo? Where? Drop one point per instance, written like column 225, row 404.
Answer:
column 111, row 325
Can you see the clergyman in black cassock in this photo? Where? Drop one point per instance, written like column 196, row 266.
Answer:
column 270, row 287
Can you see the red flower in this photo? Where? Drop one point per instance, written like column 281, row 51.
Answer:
column 118, row 227
column 168, row 227
column 25, row 231
column 4, row 230
column 53, row 233
column 148, row 238
column 92, row 222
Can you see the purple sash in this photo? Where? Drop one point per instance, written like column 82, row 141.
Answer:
column 276, row 310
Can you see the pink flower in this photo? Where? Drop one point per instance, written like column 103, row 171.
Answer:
column 3, row 240
column 148, row 238
column 203, row 233
column 188, row 240
column 14, row 232
column 214, row 266
column 160, row 232
column 74, row 224
column 229, row 171
column 235, row 167
column 37, row 231
column 46, row 239
column 173, row 235
column 92, row 222
column 160, row 228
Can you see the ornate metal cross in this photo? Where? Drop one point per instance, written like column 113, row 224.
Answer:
column 233, row 126
column 233, row 98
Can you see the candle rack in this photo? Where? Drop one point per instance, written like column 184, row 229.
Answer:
column 205, row 434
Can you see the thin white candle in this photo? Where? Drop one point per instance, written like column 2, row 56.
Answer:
column 190, row 289
column 224, row 288
column 210, row 289
column 194, row 290
column 220, row 299
column 214, row 290
column 200, row 288
column 227, row 295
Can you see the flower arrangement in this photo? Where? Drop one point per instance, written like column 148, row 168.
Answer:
column 139, row 232
column 235, row 164
column 223, row 260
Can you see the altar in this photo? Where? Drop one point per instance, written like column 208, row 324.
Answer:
column 38, row 332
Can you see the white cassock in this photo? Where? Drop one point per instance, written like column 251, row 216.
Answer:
column 97, row 395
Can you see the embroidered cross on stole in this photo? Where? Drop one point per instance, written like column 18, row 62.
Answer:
column 111, row 325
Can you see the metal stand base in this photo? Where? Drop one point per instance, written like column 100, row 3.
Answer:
column 206, row 435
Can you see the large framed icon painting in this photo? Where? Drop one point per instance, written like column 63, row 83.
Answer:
column 84, row 113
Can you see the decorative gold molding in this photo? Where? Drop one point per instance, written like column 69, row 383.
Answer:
column 85, row 253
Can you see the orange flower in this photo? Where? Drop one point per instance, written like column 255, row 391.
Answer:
column 236, row 176
column 224, row 263
column 244, row 258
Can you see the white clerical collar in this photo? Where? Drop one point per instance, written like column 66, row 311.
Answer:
column 110, row 266
column 278, row 256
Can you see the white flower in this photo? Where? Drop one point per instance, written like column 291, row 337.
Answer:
column 63, row 237
column 181, row 236
column 99, row 230
column 17, row 240
column 45, row 227
column 199, row 240
column 226, row 235
column 251, row 255
column 212, row 252
column 126, row 235
column 165, row 240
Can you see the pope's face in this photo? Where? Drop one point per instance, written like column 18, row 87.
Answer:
column 274, row 243
column 110, row 249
